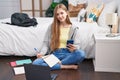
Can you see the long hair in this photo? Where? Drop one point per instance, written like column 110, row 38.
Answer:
column 55, row 30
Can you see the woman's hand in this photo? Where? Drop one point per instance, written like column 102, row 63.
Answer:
column 39, row 55
column 71, row 47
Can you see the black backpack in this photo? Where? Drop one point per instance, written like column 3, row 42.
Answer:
column 23, row 20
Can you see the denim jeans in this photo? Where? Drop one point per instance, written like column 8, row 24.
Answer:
column 66, row 57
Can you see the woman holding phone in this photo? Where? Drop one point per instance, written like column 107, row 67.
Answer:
column 55, row 42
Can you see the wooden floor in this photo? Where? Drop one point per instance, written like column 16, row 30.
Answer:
column 85, row 71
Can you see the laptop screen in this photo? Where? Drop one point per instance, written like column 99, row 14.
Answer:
column 37, row 72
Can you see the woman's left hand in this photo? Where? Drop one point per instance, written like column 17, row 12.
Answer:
column 71, row 47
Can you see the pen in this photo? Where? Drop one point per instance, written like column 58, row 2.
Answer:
column 45, row 56
column 36, row 50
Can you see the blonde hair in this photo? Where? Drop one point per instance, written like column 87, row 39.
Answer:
column 55, row 31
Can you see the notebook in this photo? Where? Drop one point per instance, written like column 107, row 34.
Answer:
column 37, row 72
column 51, row 60
column 20, row 62
column 19, row 70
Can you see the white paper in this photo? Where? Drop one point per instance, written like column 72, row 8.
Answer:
column 51, row 60
column 19, row 70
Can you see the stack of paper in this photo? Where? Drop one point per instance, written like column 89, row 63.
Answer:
column 18, row 65
column 19, row 70
column 51, row 60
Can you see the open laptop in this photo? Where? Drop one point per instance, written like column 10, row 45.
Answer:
column 37, row 72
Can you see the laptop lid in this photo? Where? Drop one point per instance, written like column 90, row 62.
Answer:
column 37, row 72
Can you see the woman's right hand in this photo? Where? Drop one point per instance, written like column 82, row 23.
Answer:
column 39, row 55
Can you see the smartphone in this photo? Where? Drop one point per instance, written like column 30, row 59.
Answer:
column 70, row 41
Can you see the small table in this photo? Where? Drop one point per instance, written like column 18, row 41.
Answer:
column 107, row 53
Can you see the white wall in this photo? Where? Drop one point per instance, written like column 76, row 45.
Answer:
column 8, row 7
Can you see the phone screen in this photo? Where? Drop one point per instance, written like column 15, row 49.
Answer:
column 70, row 42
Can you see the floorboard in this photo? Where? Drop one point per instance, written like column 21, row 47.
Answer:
column 84, row 72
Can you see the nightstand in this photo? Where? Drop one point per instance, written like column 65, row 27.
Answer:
column 107, row 53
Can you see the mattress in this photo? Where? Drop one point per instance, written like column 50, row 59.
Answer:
column 21, row 41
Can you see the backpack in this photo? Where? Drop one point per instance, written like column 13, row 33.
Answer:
column 23, row 20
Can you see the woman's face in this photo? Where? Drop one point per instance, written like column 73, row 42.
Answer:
column 61, row 15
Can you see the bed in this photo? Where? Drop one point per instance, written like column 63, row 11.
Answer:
column 21, row 41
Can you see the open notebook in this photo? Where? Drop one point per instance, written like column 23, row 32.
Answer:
column 51, row 60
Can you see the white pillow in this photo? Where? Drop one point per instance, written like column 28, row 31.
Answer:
column 108, row 8
column 91, row 4
column 95, row 13
column 81, row 15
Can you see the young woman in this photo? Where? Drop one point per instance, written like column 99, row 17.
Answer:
column 55, row 40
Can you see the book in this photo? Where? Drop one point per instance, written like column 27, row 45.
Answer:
column 25, row 61
column 20, row 62
column 51, row 60
column 19, row 70
column 13, row 63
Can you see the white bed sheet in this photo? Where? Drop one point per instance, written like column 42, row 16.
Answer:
column 85, row 36
column 16, row 40
column 21, row 41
